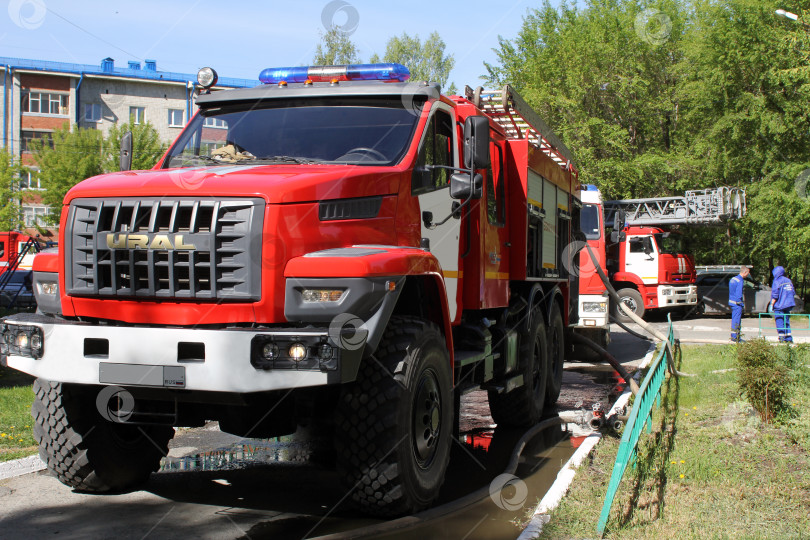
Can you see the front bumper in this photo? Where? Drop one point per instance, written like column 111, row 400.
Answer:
column 220, row 360
column 674, row 296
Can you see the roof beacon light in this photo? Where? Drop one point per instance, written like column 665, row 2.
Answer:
column 357, row 72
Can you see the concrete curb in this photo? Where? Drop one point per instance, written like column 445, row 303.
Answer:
column 19, row 467
column 566, row 475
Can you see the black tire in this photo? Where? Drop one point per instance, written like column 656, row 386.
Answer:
column 632, row 299
column 394, row 424
column 556, row 355
column 523, row 406
column 84, row 450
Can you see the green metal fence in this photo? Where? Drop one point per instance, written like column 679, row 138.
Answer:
column 799, row 325
column 640, row 417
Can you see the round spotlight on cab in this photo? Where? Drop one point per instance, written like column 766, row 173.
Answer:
column 207, row 77
column 297, row 352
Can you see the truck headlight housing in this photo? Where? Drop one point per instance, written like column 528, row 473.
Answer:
column 594, row 307
column 22, row 341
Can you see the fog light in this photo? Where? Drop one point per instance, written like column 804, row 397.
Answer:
column 322, row 295
column 297, row 352
column 325, row 351
column 36, row 342
column 270, row 351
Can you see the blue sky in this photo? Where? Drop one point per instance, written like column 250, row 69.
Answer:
column 239, row 39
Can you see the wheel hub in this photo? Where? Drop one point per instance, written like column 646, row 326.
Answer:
column 427, row 418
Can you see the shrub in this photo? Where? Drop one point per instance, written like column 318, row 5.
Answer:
column 764, row 378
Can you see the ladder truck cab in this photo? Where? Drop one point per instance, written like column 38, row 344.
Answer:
column 646, row 261
column 336, row 248
column 651, row 269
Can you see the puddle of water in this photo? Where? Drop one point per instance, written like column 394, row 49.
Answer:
column 478, row 458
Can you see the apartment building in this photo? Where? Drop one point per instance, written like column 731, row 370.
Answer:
column 40, row 96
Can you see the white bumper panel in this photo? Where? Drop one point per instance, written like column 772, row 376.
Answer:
column 226, row 367
column 592, row 319
column 680, row 296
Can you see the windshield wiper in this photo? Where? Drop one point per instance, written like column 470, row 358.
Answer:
column 288, row 159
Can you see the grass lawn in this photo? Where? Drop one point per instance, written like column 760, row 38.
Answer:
column 16, row 396
column 710, row 469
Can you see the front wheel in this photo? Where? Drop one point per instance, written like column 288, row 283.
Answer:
column 394, row 423
column 86, row 451
column 632, row 299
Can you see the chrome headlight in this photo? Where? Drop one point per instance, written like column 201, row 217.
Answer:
column 594, row 307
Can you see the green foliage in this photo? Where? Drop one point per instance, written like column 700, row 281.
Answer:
column 9, row 181
column 705, row 93
column 426, row 61
column 74, row 156
column 147, row 147
column 764, row 378
column 335, row 48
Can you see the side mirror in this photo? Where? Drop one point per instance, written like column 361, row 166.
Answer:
column 461, row 188
column 125, row 159
column 617, row 236
column 476, row 142
column 618, row 220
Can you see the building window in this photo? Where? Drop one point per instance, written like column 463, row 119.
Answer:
column 45, row 103
column 29, row 180
column 215, row 123
column 136, row 115
column 175, row 117
column 35, row 215
column 28, row 136
column 92, row 112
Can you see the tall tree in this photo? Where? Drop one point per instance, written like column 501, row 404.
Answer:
column 147, row 148
column 9, row 183
column 335, row 48
column 72, row 157
column 426, row 61
column 602, row 77
column 745, row 91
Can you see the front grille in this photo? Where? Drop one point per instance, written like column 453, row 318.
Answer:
column 165, row 248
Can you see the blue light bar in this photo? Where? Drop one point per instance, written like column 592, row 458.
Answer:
column 356, row 72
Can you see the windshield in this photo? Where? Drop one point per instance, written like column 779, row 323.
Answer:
column 589, row 222
column 670, row 243
column 375, row 131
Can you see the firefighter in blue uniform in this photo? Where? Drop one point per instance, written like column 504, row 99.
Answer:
column 736, row 302
column 782, row 302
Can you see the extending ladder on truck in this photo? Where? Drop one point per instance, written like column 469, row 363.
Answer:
column 714, row 206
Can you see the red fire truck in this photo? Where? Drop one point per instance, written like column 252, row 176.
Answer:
column 11, row 245
column 335, row 245
column 646, row 262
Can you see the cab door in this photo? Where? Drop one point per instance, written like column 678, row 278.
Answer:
column 439, row 146
column 641, row 258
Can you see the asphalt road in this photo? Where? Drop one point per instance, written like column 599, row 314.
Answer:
column 215, row 485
